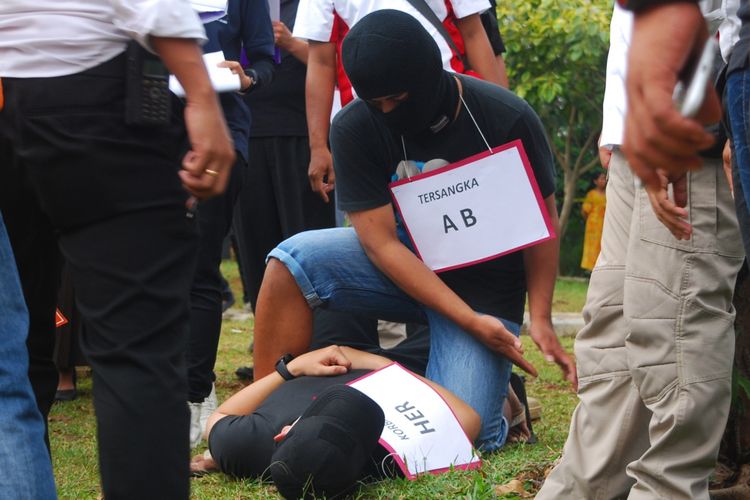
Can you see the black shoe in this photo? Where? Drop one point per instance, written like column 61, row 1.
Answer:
column 227, row 303
column 66, row 395
column 244, row 373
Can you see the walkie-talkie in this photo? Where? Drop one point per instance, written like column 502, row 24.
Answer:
column 148, row 100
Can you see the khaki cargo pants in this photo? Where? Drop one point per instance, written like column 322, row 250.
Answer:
column 655, row 355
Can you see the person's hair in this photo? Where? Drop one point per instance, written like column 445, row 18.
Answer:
column 596, row 174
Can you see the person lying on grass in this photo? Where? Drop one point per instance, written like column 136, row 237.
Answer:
column 246, row 430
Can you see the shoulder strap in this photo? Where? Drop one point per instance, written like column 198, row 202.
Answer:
column 430, row 15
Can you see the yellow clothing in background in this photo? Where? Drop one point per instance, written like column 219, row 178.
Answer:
column 593, row 207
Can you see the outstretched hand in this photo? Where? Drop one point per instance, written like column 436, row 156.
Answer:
column 544, row 336
column 492, row 333
column 323, row 362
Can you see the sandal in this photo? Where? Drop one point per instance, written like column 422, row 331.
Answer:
column 518, row 384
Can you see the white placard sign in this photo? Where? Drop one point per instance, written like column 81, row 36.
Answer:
column 222, row 79
column 420, row 431
column 474, row 210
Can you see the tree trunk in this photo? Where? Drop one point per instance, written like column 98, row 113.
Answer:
column 732, row 478
column 569, row 194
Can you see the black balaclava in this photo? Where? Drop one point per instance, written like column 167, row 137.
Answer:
column 389, row 52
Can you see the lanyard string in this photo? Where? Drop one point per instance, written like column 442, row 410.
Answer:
column 460, row 95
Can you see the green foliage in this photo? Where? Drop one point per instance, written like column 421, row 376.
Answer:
column 556, row 55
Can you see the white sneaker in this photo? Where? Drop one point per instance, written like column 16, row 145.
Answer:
column 208, row 406
column 195, row 426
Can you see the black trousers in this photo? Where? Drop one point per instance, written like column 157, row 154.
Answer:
column 110, row 195
column 276, row 203
column 214, row 221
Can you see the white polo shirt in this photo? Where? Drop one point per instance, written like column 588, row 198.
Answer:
column 47, row 38
column 330, row 20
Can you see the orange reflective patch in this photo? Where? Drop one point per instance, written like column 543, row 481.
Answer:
column 2, row 99
column 60, row 320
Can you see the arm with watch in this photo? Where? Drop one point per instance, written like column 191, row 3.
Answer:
column 324, row 362
column 249, row 27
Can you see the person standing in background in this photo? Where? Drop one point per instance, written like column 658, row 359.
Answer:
column 324, row 23
column 592, row 212
column 244, row 30
column 276, row 201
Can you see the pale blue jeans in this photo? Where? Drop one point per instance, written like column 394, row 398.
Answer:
column 25, row 467
column 333, row 271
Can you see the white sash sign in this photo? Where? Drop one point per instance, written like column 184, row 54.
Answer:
column 473, row 210
column 420, row 431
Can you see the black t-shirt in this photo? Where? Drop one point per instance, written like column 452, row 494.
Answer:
column 366, row 153
column 242, row 445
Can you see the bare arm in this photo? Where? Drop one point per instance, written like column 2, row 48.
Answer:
column 540, row 263
column 376, row 229
column 284, row 39
column 467, row 417
column 323, row 362
column 319, row 87
column 478, row 49
column 504, row 82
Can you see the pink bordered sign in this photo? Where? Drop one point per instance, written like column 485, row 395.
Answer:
column 474, row 210
column 421, row 431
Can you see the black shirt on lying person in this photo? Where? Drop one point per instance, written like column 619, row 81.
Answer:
column 244, row 430
column 242, row 445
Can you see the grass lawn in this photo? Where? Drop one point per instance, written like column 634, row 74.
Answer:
column 72, row 431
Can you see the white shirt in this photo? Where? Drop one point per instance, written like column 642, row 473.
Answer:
column 613, row 109
column 729, row 31
column 46, row 38
column 315, row 18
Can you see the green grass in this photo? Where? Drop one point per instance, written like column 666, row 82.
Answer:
column 72, row 431
column 570, row 294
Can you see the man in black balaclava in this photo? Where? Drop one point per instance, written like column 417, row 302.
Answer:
column 411, row 109
column 392, row 57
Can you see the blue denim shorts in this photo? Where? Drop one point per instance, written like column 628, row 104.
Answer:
column 333, row 271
